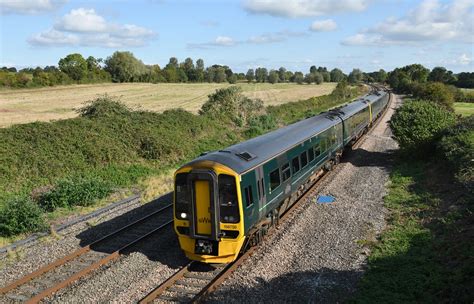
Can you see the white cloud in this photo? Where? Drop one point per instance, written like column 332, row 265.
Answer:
column 275, row 37
column 54, row 37
column 220, row 41
column 323, row 25
column 303, row 8
column 224, row 41
column 87, row 28
column 29, row 6
column 430, row 21
column 464, row 59
column 82, row 20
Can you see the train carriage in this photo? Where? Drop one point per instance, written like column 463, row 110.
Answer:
column 228, row 198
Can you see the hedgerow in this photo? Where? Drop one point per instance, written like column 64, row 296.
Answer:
column 416, row 124
column 456, row 146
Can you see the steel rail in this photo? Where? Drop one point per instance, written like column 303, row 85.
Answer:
column 82, row 251
column 230, row 268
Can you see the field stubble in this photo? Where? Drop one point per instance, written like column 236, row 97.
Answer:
column 61, row 102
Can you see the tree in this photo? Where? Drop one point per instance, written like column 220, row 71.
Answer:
column 189, row 69
column 220, row 75
column 326, row 76
column 465, row 80
column 437, row 92
column 282, row 74
column 124, row 67
column 173, row 62
column 261, row 74
column 273, row 77
column 337, row 75
column 309, row 78
column 318, row 77
column 440, row 74
column 355, row 76
column 232, row 79
column 210, row 74
column 250, row 76
column 381, row 76
column 199, row 70
column 74, row 65
column 298, row 77
column 313, row 69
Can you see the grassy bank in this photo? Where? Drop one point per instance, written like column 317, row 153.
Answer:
column 464, row 108
column 71, row 164
column 425, row 254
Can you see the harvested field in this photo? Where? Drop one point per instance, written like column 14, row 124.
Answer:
column 45, row 104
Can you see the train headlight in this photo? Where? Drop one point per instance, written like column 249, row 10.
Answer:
column 183, row 215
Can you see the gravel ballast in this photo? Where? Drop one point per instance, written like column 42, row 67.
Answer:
column 29, row 258
column 318, row 255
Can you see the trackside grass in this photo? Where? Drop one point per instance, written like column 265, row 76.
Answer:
column 464, row 108
column 425, row 253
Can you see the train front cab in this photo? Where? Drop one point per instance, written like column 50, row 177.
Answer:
column 208, row 216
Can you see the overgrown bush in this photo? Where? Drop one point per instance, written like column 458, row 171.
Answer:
column 20, row 215
column 103, row 106
column 417, row 122
column 457, row 147
column 231, row 103
column 260, row 125
column 75, row 192
column 436, row 92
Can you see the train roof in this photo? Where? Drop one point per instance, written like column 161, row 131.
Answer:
column 250, row 153
column 357, row 105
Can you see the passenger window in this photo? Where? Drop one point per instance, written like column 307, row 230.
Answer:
column 317, row 150
column 248, row 196
column 229, row 208
column 295, row 164
column 285, row 171
column 304, row 159
column 274, row 179
column 310, row 155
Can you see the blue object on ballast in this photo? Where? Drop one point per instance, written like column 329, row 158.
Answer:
column 325, row 199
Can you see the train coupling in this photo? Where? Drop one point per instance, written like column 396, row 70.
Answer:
column 203, row 247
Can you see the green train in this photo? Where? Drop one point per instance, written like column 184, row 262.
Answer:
column 226, row 200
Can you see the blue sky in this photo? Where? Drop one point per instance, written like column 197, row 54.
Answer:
column 366, row 34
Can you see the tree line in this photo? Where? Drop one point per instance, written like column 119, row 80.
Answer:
column 125, row 67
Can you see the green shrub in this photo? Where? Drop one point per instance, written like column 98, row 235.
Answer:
column 20, row 215
column 260, row 125
column 436, row 92
column 104, row 106
column 230, row 102
column 416, row 123
column 457, row 147
column 75, row 192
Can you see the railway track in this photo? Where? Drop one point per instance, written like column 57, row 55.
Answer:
column 47, row 280
column 196, row 280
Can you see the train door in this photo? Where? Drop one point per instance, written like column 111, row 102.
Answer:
column 205, row 207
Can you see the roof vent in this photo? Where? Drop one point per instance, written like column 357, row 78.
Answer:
column 246, row 155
